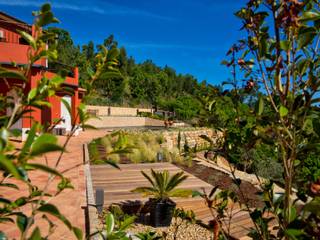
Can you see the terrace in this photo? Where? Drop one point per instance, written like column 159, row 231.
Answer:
column 117, row 185
column 248, row 152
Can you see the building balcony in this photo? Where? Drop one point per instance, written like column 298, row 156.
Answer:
column 16, row 53
column 71, row 73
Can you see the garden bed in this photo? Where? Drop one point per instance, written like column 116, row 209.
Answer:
column 147, row 145
column 186, row 231
column 247, row 193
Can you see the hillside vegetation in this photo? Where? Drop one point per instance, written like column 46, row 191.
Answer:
column 136, row 84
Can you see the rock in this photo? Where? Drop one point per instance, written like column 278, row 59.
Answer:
column 186, row 231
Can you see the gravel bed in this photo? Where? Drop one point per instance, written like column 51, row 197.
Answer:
column 186, row 231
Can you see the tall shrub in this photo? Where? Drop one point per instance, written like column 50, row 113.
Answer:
column 279, row 55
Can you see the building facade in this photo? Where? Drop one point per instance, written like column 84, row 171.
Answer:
column 14, row 52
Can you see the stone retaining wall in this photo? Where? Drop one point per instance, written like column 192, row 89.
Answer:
column 192, row 137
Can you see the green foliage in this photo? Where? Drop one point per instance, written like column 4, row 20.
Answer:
column 172, row 155
column 150, row 115
column 16, row 164
column 17, row 167
column 68, row 54
column 185, row 215
column 110, row 231
column 116, row 224
column 150, row 235
column 278, row 125
column 309, row 172
column 137, row 147
column 109, row 148
column 236, row 120
column 143, row 84
column 186, row 107
column 122, row 220
column 265, row 162
column 163, row 186
column 220, row 203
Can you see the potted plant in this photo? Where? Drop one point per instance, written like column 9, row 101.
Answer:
column 163, row 187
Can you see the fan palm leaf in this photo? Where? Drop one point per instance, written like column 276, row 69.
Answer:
column 175, row 180
column 146, row 191
column 164, row 186
column 180, row 193
column 148, row 178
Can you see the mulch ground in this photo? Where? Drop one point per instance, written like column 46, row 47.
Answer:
column 247, row 192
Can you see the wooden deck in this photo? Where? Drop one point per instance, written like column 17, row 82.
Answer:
column 117, row 185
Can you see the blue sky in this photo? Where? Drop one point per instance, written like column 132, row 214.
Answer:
column 192, row 36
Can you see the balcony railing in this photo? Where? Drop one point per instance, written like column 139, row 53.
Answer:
column 62, row 69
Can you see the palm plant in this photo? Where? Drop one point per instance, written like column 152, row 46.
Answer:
column 163, row 186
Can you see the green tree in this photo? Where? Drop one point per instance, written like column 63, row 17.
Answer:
column 280, row 54
column 69, row 55
column 133, row 84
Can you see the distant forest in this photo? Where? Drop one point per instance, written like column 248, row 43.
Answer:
column 138, row 84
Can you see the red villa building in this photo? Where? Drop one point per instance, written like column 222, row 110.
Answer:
column 13, row 48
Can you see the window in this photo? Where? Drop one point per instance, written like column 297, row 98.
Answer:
column 2, row 38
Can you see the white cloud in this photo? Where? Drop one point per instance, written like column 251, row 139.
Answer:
column 166, row 46
column 105, row 9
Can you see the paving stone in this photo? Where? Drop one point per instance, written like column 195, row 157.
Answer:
column 70, row 202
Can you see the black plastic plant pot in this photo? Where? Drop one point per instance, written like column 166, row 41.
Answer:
column 161, row 213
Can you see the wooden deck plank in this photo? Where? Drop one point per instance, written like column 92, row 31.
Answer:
column 117, row 185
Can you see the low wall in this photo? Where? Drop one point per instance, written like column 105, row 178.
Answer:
column 153, row 122
column 92, row 219
column 116, row 111
column 180, row 124
column 191, row 136
column 113, row 122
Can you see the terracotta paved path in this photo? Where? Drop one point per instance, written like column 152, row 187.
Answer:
column 70, row 202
